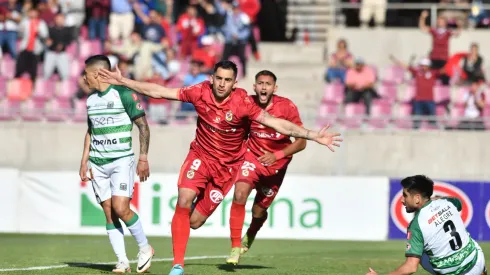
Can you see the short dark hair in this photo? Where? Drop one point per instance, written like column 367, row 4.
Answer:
column 99, row 59
column 420, row 184
column 266, row 73
column 226, row 65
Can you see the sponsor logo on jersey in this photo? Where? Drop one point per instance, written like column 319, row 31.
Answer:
column 190, row 174
column 139, row 106
column 266, row 135
column 214, row 129
column 217, row 119
column 216, row 196
column 402, row 219
column 268, row 192
column 229, row 116
column 110, row 104
column 245, row 173
column 123, row 186
column 104, row 141
column 102, row 121
column 135, row 97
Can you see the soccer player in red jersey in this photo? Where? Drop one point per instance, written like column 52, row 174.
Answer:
column 208, row 173
column 264, row 165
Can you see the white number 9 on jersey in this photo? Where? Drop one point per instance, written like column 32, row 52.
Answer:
column 195, row 164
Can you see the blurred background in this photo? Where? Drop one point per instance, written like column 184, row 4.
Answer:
column 405, row 81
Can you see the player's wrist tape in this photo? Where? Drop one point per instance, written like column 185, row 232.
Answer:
column 143, row 160
column 279, row 154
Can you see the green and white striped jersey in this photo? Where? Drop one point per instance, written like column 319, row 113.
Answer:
column 110, row 119
column 438, row 231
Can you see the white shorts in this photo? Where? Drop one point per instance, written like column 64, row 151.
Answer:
column 113, row 179
column 476, row 270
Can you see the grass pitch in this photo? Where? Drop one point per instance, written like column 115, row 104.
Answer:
column 66, row 254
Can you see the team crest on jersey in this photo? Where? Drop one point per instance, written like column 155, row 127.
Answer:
column 216, row 196
column 408, row 247
column 123, row 186
column 190, row 174
column 110, row 104
column 229, row 116
column 139, row 106
column 268, row 192
column 245, row 172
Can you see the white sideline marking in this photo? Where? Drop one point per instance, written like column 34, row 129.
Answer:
column 107, row 263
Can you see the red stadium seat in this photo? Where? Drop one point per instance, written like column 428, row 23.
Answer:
column 459, row 98
column 58, row 110
column 19, row 89
column 442, row 94
column 407, row 94
column 387, row 91
column 80, row 111
column 394, row 75
column 66, row 89
column 44, row 89
column 353, row 115
column 9, row 109
column 7, row 67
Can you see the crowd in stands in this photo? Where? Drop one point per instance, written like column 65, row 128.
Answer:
column 448, row 91
column 44, row 43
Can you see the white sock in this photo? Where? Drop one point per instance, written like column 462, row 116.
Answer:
column 136, row 229
column 116, row 237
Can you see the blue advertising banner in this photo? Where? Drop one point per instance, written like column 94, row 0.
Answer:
column 475, row 197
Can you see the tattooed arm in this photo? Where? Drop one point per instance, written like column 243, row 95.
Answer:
column 142, row 169
column 290, row 129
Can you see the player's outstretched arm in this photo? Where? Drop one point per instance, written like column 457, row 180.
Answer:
column 409, row 267
column 85, row 155
column 149, row 89
column 143, row 169
column 288, row 128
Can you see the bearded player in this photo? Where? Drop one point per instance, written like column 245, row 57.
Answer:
column 264, row 166
column 216, row 154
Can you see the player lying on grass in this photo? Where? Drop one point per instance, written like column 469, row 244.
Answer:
column 437, row 237
column 217, row 152
column 108, row 153
column 265, row 164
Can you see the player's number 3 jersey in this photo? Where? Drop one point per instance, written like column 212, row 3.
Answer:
column 438, row 231
column 110, row 119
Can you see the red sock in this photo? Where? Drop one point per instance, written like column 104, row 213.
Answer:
column 256, row 225
column 237, row 217
column 181, row 229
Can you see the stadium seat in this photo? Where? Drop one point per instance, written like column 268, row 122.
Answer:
column 32, row 110
column 394, row 75
column 88, row 48
column 407, row 94
column 3, row 87
column 84, row 32
column 459, row 96
column 7, row 67
column 380, row 114
column 44, row 89
column 354, row 115
column 75, row 68
column 442, row 94
column 72, row 50
column 333, row 93
column 455, row 116
column 66, row 89
column 403, row 115
column 80, row 111
column 328, row 114
column 9, row 109
column 387, row 91
column 19, row 89
column 58, row 110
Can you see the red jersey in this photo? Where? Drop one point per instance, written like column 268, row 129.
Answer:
column 222, row 128
column 424, row 83
column 262, row 137
column 440, row 43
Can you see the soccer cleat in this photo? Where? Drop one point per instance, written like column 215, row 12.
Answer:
column 122, row 267
column 246, row 244
column 177, row 270
column 144, row 259
column 234, row 256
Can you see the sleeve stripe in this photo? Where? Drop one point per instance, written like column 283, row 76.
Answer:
column 413, row 255
column 138, row 116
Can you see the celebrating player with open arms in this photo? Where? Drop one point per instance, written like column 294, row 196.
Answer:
column 436, row 237
column 109, row 154
column 216, row 154
column 265, row 164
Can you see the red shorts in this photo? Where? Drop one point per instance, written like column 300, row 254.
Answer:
column 265, row 179
column 209, row 179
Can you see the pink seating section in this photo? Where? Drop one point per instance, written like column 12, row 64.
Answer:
column 393, row 109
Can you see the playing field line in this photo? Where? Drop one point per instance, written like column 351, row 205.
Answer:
column 106, row 263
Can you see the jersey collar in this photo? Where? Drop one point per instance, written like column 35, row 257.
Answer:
column 101, row 94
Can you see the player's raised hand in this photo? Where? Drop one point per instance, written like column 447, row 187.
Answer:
column 267, row 158
column 83, row 172
column 328, row 139
column 110, row 77
column 143, row 170
column 371, row 272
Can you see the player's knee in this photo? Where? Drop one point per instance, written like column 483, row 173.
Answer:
column 258, row 212
column 121, row 210
column 197, row 224
column 241, row 194
column 184, row 202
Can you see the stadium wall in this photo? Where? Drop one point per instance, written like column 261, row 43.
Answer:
column 446, row 154
column 376, row 45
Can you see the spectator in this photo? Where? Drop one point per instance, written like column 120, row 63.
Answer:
column 74, row 11
column 153, row 30
column 194, row 76
column 339, row 62
column 56, row 57
column 48, row 11
column 83, row 90
column 121, row 20
column 97, row 23
column 473, row 107
column 360, row 82
column 477, row 14
column 212, row 13
column 189, row 28
column 440, row 42
column 206, row 54
column 9, row 26
column 33, row 31
column 142, row 9
column 251, row 8
column 472, row 64
column 425, row 80
column 370, row 8
column 237, row 31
